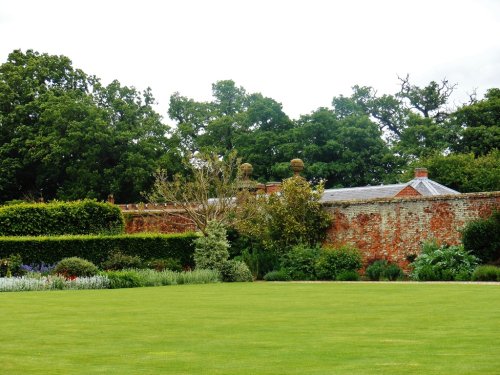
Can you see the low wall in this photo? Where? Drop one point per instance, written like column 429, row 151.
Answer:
column 395, row 228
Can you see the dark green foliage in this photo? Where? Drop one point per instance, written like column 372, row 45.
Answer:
column 165, row 264
column 118, row 261
column 97, row 249
column 375, row 270
column 280, row 275
column 259, row 260
column 482, row 238
column 123, row 279
column 486, row 273
column 333, row 261
column 300, row 262
column 393, row 272
column 382, row 269
column 235, row 271
column 11, row 266
column 75, row 267
column 444, row 263
column 59, row 218
column 348, row 275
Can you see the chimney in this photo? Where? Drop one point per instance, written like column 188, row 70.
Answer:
column 421, row 173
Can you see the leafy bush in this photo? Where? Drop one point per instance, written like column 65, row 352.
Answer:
column 486, row 273
column 118, row 261
column 280, row 221
column 393, row 272
column 259, row 261
column 382, row 269
column 236, row 271
column 280, row 275
column 35, row 250
column 333, row 261
column 482, row 238
column 75, row 267
column 211, row 251
column 123, row 279
column 348, row 275
column 300, row 262
column 165, row 264
column 11, row 266
column 375, row 270
column 59, row 218
column 445, row 263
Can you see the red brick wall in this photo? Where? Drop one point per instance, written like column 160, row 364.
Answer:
column 394, row 228
column 408, row 191
column 169, row 221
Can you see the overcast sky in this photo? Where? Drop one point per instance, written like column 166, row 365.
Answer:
column 300, row 53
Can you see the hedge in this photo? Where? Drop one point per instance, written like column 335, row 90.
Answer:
column 97, row 248
column 59, row 218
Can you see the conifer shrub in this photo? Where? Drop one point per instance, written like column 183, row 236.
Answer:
column 212, row 250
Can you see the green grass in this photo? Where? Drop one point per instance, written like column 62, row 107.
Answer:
column 259, row 328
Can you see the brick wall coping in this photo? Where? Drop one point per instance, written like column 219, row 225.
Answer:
column 492, row 194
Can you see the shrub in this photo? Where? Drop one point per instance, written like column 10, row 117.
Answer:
column 300, row 262
column 333, row 261
column 11, row 266
column 236, row 271
column 75, row 267
column 347, row 275
column 486, row 273
column 165, row 264
column 375, row 270
column 35, row 250
column 280, row 275
column 482, row 238
column 211, row 251
column 383, row 269
column 393, row 272
column 82, row 217
column 118, row 261
column 123, row 279
column 445, row 263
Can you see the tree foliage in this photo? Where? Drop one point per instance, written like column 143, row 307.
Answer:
column 65, row 135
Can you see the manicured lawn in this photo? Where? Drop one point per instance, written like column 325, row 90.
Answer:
column 259, row 328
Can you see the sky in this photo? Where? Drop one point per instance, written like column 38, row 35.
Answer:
column 300, row 53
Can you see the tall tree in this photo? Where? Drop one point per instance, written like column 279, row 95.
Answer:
column 65, row 135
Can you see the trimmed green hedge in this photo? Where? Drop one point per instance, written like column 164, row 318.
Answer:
column 96, row 249
column 60, row 218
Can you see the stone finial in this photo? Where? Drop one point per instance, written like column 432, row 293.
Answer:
column 246, row 169
column 297, row 166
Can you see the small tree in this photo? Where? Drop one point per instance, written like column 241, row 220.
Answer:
column 206, row 193
column 288, row 218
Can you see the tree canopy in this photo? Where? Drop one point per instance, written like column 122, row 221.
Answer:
column 66, row 135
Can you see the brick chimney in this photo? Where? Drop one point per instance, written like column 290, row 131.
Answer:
column 421, row 173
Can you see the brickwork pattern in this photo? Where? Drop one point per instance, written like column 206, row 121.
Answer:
column 395, row 228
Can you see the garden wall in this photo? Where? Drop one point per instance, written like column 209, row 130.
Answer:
column 394, row 228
